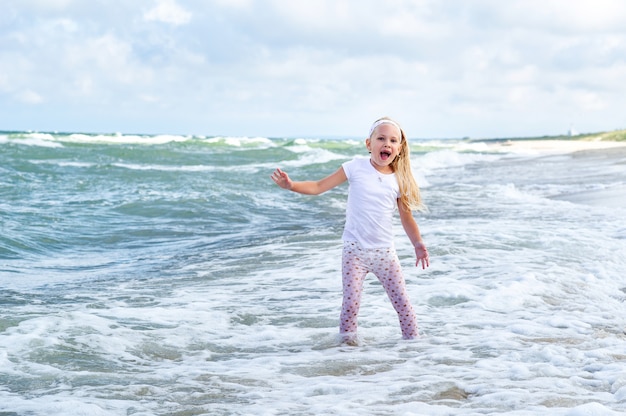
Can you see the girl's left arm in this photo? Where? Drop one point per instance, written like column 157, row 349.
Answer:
column 413, row 232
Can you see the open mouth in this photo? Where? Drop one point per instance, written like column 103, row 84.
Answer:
column 384, row 155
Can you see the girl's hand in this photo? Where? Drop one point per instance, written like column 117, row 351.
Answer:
column 422, row 255
column 282, row 179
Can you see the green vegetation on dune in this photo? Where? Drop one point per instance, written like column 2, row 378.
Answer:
column 615, row 136
column 612, row 136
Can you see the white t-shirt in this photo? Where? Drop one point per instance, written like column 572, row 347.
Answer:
column 372, row 200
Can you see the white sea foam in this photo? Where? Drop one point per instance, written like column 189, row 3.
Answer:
column 169, row 168
column 449, row 158
column 122, row 138
column 241, row 141
column 33, row 139
column 232, row 309
column 63, row 163
column 310, row 156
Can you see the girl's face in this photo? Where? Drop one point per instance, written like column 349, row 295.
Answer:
column 384, row 145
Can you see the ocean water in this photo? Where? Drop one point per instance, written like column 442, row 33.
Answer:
column 168, row 275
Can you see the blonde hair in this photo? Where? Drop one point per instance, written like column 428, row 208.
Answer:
column 401, row 165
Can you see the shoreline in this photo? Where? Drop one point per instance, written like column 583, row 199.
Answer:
column 554, row 146
column 611, row 196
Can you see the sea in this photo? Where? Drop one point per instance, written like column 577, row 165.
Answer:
column 168, row 275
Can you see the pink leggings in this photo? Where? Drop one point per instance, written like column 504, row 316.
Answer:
column 384, row 263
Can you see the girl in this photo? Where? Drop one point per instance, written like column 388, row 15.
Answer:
column 376, row 186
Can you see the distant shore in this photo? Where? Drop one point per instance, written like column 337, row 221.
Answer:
column 591, row 147
column 609, row 136
column 531, row 146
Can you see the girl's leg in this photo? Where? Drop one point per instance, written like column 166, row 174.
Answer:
column 353, row 271
column 389, row 272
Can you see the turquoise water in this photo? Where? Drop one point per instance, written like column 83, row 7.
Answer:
column 168, row 275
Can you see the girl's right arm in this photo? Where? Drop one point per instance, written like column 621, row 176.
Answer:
column 309, row 187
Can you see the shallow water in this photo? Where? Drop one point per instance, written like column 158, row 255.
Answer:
column 167, row 275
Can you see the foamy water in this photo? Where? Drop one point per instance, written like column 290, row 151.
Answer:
column 153, row 276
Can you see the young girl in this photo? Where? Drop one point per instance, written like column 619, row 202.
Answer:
column 376, row 186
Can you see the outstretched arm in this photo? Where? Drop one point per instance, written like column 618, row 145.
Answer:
column 309, row 187
column 413, row 232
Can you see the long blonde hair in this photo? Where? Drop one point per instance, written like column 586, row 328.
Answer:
column 401, row 165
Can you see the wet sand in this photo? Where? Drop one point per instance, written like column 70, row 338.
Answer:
column 560, row 146
column 614, row 195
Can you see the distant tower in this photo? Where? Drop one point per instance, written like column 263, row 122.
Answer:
column 571, row 132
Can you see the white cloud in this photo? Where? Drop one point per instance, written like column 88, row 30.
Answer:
column 320, row 67
column 168, row 11
column 29, row 97
column 589, row 101
column 43, row 5
column 574, row 15
column 235, row 4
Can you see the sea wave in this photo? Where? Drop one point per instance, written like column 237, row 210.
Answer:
column 447, row 158
column 171, row 275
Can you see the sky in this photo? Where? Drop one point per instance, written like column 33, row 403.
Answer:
column 313, row 68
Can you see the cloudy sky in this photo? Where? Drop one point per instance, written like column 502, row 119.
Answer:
column 313, row 68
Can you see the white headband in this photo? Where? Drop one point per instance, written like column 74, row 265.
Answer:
column 383, row 121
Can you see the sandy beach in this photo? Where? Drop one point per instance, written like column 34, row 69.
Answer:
column 532, row 146
column 613, row 195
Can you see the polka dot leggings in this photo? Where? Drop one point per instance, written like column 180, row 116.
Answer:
column 383, row 263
